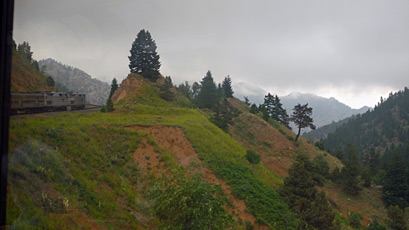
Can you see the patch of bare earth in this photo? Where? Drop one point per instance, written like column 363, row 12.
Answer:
column 129, row 85
column 275, row 150
column 174, row 141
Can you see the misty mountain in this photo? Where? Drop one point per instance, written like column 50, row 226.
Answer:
column 324, row 110
column 68, row 78
column 384, row 129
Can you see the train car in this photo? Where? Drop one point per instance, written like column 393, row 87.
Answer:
column 46, row 102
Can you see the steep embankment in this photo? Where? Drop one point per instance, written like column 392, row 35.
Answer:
column 275, row 144
column 26, row 78
column 100, row 173
column 95, row 170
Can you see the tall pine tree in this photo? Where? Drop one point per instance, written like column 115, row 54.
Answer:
column 144, row 59
column 395, row 188
column 208, row 96
column 227, row 88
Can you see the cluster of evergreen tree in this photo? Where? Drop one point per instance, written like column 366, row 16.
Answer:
column 303, row 198
column 271, row 108
column 25, row 53
column 208, row 95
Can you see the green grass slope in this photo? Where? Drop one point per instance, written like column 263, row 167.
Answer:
column 25, row 78
column 72, row 167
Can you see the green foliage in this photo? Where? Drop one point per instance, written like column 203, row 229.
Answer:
column 114, row 87
column 50, row 81
column 252, row 156
column 166, row 90
column 224, row 114
column 144, row 58
column 366, row 177
column 395, row 186
column 374, row 225
column 354, row 220
column 321, row 165
column 110, row 105
column 303, row 198
column 319, row 145
column 396, row 218
column 227, row 88
column 24, row 50
column 351, row 171
column 208, row 96
column 272, row 108
column 186, row 90
column 254, row 109
column 302, row 118
column 379, row 177
column 189, row 203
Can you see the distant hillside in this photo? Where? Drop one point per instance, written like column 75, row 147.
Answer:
column 322, row 132
column 25, row 77
column 76, row 80
column 325, row 110
column 386, row 128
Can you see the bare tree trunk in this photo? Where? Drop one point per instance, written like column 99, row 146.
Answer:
column 298, row 135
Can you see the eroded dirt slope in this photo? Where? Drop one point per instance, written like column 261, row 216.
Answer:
column 173, row 140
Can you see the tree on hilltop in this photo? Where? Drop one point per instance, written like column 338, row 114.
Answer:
column 302, row 118
column 24, row 50
column 144, row 59
column 227, row 88
column 207, row 96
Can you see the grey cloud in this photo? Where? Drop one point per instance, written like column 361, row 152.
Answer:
column 282, row 45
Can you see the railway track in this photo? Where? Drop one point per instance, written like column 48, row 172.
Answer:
column 88, row 108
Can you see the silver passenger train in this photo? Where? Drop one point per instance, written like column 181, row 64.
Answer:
column 46, row 101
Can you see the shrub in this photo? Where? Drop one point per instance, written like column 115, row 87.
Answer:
column 189, row 203
column 252, row 156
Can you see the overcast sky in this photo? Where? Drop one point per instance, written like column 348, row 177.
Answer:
column 353, row 50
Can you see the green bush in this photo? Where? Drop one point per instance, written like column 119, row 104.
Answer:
column 189, row 203
column 252, row 156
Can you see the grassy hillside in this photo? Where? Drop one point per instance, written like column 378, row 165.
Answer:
column 87, row 160
column 275, row 144
column 94, row 170
column 26, row 78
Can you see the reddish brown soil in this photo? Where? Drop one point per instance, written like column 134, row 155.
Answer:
column 130, row 85
column 275, row 149
column 174, row 141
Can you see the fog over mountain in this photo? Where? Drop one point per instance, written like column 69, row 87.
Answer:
column 325, row 110
column 68, row 78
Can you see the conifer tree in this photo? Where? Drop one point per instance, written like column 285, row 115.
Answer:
column 166, row 89
column 303, row 198
column 110, row 104
column 114, row 87
column 207, row 97
column 302, row 118
column 144, row 58
column 395, row 187
column 24, row 50
column 351, row 171
column 227, row 88
column 397, row 220
column 247, row 101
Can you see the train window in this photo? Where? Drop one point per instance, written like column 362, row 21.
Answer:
column 79, row 169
